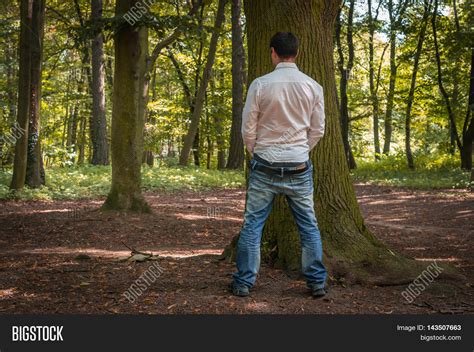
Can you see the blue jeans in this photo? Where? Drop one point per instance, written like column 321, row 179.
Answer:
column 298, row 190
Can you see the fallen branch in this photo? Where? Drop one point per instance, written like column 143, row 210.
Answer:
column 137, row 256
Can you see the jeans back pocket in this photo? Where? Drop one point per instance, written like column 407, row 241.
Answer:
column 303, row 184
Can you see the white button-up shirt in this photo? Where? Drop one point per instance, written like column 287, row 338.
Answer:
column 283, row 116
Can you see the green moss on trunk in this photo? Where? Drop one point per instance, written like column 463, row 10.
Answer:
column 128, row 114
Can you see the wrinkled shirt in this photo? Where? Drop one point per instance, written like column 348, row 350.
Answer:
column 283, row 116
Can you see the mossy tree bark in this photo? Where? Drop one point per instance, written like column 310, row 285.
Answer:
column 128, row 114
column 350, row 249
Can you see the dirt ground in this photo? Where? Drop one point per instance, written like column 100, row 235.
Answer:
column 40, row 271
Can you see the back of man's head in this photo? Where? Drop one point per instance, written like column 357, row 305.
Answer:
column 285, row 44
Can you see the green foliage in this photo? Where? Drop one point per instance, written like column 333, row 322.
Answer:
column 432, row 172
column 89, row 181
column 430, row 126
column 66, row 101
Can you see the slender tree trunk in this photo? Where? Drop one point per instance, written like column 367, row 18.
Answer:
column 69, row 128
column 373, row 91
column 411, row 94
column 24, row 93
column 98, row 128
column 74, row 126
column 350, row 249
column 148, row 155
column 110, row 72
column 236, row 147
column 81, row 141
column 465, row 146
column 35, row 175
column 128, row 115
column 11, row 87
column 457, row 112
column 452, row 139
column 468, row 126
column 11, row 59
column 444, row 93
column 393, row 78
column 395, row 21
column 86, row 58
column 209, row 143
column 390, row 96
column 202, row 39
column 196, row 147
column 344, row 81
column 67, row 108
column 199, row 102
column 218, row 127
column 187, row 93
column 472, row 169
column 182, row 79
column 209, row 152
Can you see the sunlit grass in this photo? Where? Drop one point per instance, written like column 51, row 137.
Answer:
column 431, row 172
column 94, row 181
column 88, row 181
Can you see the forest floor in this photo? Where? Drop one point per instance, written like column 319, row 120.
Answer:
column 61, row 256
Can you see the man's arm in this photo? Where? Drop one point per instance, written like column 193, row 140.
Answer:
column 316, row 129
column 250, row 116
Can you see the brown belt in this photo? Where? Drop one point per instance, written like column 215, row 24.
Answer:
column 282, row 171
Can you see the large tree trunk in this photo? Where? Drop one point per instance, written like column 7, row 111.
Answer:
column 128, row 115
column 21, row 146
column 236, row 147
column 350, row 249
column 199, row 101
column 35, row 175
column 98, row 127
column 411, row 94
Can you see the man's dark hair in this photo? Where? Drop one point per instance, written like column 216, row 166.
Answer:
column 285, row 44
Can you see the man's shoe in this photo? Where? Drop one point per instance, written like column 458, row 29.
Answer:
column 318, row 292
column 239, row 290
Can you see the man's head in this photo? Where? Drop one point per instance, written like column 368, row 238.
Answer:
column 284, row 47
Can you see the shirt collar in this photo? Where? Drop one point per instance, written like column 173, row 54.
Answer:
column 286, row 65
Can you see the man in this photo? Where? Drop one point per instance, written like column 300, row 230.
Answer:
column 283, row 119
